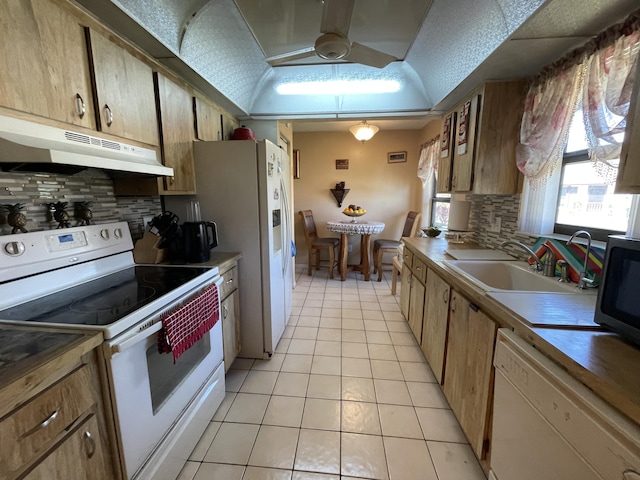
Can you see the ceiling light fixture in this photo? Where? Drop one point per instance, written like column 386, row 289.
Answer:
column 363, row 131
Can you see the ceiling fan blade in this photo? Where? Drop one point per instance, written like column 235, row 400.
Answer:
column 369, row 56
column 288, row 57
column 336, row 16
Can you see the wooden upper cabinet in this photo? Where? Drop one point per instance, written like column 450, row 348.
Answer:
column 43, row 60
column 124, row 90
column 629, row 170
column 208, row 122
column 482, row 152
column 176, row 123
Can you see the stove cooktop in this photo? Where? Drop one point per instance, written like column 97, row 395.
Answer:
column 105, row 300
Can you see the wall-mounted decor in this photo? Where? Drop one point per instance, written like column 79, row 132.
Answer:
column 342, row 164
column 296, row 164
column 340, row 192
column 397, row 157
column 446, row 134
column 463, row 127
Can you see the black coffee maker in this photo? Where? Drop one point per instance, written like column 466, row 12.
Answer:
column 198, row 237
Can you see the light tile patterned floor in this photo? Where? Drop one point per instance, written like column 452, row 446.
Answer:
column 347, row 395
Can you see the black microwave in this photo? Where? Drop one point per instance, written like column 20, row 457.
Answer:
column 618, row 304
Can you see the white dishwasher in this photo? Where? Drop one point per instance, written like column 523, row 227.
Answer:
column 547, row 425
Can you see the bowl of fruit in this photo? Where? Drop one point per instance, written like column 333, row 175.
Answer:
column 354, row 211
column 432, row 231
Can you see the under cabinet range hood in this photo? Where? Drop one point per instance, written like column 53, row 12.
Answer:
column 29, row 146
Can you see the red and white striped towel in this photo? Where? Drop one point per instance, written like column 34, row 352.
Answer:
column 183, row 327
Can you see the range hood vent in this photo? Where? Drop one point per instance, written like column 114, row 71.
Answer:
column 29, row 146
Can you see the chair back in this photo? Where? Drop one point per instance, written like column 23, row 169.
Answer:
column 411, row 224
column 309, row 226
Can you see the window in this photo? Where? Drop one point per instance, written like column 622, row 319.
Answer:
column 586, row 199
column 440, row 203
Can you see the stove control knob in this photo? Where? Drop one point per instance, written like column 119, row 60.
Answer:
column 14, row 249
column 117, row 233
column 104, row 233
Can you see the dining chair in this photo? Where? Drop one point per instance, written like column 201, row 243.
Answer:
column 315, row 244
column 382, row 245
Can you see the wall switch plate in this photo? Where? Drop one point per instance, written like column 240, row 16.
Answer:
column 495, row 224
column 350, row 248
column 145, row 221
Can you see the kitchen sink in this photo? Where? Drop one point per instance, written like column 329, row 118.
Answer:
column 512, row 276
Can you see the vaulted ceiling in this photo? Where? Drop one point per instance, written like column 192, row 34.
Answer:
column 444, row 48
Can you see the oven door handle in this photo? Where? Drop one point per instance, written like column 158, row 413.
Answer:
column 136, row 338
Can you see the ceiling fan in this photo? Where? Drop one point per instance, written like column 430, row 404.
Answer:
column 334, row 43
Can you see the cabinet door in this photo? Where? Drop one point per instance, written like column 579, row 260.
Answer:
column 416, row 307
column 456, row 362
column 465, row 141
column 405, row 290
column 436, row 322
column 208, row 123
column 468, row 376
column 629, row 171
column 44, row 64
column 176, row 124
column 124, row 90
column 230, row 329
column 445, row 163
column 79, row 456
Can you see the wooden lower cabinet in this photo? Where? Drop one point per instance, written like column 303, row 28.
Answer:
column 230, row 329
column 435, row 323
column 80, row 456
column 405, row 290
column 468, row 376
column 58, row 430
column 230, row 304
column 416, row 307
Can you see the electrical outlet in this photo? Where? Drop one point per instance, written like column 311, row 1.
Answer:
column 350, row 248
column 146, row 219
column 495, row 224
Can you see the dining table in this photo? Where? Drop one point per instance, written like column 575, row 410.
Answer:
column 355, row 227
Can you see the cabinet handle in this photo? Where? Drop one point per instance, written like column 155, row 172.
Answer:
column 418, row 269
column 89, row 444
column 225, row 311
column 80, row 105
column 453, row 183
column 452, row 305
column 229, row 281
column 473, row 307
column 42, row 425
column 108, row 115
column 445, row 296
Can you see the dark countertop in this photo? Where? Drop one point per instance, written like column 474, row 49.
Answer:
column 559, row 325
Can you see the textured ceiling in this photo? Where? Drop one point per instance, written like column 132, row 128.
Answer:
column 458, row 44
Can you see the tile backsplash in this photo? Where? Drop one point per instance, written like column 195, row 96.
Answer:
column 36, row 190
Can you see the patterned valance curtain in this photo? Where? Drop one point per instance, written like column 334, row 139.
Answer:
column 601, row 76
column 609, row 80
column 428, row 162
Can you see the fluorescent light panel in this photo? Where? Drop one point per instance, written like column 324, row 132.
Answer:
column 339, row 87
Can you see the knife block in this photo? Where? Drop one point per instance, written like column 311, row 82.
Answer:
column 146, row 249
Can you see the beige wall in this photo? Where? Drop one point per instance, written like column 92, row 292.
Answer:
column 387, row 191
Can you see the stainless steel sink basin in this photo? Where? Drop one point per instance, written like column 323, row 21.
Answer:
column 503, row 276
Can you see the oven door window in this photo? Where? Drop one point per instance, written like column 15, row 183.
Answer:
column 165, row 377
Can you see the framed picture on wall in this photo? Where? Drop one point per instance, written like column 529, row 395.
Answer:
column 397, row 157
column 342, row 164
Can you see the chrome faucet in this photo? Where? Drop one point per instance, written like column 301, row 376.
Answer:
column 539, row 265
column 584, row 281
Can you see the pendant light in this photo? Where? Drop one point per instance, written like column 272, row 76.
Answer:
column 363, row 131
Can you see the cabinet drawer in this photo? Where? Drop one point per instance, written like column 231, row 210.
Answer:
column 230, row 282
column 28, row 431
column 407, row 257
column 419, row 270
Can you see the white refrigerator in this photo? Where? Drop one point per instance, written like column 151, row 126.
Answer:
column 243, row 186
